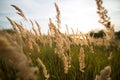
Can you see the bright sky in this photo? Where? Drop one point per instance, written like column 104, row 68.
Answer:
column 79, row 14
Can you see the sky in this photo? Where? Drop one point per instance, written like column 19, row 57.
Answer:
column 79, row 14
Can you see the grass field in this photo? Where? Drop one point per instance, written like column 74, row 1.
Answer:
column 31, row 55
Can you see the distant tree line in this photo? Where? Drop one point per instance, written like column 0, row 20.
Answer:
column 10, row 31
column 101, row 34
column 117, row 34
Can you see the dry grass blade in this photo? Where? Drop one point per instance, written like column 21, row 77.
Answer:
column 34, row 28
column 73, row 33
column 44, row 69
column 20, row 12
column 39, row 29
column 17, row 8
column 12, row 23
column 20, row 27
column 58, row 15
column 67, row 29
column 83, row 36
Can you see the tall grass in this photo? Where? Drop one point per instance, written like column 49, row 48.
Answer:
column 30, row 55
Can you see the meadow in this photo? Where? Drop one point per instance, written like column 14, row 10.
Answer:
column 31, row 55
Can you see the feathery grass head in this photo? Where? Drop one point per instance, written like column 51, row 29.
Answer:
column 12, row 23
column 105, row 20
column 39, row 29
column 34, row 30
column 40, row 63
column 104, row 74
column 13, row 56
column 58, row 15
column 20, row 12
column 82, row 59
